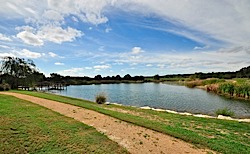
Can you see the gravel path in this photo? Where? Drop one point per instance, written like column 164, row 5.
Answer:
column 134, row 138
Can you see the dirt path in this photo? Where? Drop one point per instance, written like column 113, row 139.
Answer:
column 135, row 139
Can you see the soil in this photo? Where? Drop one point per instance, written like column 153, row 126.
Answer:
column 134, row 138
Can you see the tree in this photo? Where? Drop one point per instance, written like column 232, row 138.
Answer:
column 98, row 77
column 156, row 77
column 127, row 77
column 17, row 69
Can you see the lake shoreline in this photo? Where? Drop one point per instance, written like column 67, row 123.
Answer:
column 184, row 113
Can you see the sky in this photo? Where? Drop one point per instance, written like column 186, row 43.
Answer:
column 136, row 37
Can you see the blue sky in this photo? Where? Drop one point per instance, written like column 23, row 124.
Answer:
column 139, row 37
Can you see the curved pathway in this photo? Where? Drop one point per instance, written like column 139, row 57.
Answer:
column 134, row 138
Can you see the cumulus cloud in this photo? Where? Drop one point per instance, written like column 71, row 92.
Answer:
column 4, row 38
column 58, row 34
column 29, row 54
column 30, row 38
column 47, row 33
column 59, row 63
column 136, row 50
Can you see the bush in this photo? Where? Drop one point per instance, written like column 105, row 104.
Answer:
column 225, row 112
column 192, row 84
column 212, row 81
column 100, row 98
column 4, row 87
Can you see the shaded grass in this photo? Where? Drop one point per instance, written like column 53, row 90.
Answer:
column 29, row 128
column 219, row 135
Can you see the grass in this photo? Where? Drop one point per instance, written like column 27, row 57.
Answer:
column 100, row 98
column 225, row 112
column 219, row 135
column 29, row 128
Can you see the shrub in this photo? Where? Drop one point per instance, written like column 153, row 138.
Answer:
column 4, row 87
column 100, row 98
column 225, row 112
column 212, row 81
column 192, row 84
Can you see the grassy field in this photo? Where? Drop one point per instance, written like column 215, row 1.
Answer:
column 29, row 128
column 219, row 135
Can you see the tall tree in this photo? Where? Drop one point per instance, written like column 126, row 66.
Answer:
column 17, row 69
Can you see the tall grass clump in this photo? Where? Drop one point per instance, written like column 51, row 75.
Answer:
column 212, row 81
column 225, row 112
column 192, row 84
column 100, row 98
column 235, row 89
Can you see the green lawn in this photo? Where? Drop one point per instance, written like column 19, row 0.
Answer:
column 28, row 128
column 219, row 135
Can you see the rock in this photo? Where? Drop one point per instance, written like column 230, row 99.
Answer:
column 161, row 110
column 146, row 107
column 224, row 117
column 185, row 113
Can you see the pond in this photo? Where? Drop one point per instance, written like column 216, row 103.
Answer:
column 158, row 95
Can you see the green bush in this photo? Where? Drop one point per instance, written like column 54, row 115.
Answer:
column 100, row 98
column 225, row 112
column 212, row 81
column 4, row 87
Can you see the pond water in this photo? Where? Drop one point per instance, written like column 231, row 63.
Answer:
column 158, row 95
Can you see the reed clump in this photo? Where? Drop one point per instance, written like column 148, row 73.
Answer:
column 225, row 112
column 100, row 98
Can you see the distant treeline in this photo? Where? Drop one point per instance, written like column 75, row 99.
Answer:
column 242, row 73
column 18, row 72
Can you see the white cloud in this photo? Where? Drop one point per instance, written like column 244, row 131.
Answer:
column 107, row 30
column 136, row 50
column 149, row 65
column 88, row 68
column 59, row 63
column 7, row 55
column 30, row 38
column 161, row 66
column 52, row 15
column 4, row 46
column 226, row 20
column 72, row 72
column 28, row 54
column 25, row 28
column 58, row 34
column 47, row 33
column 102, row 67
column 4, row 38
column 51, row 54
